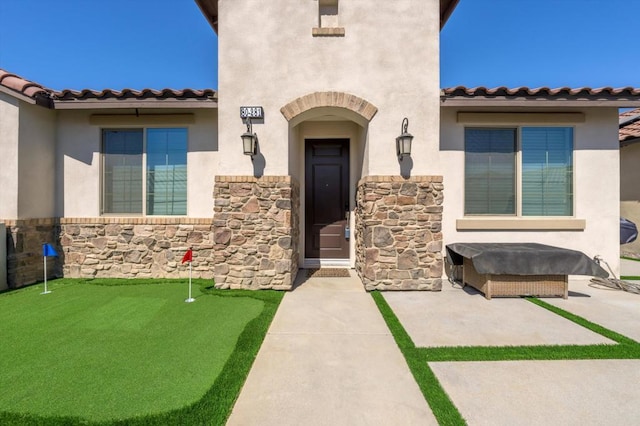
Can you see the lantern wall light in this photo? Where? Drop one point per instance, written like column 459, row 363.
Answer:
column 249, row 140
column 403, row 142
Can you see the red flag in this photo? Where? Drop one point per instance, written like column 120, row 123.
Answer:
column 188, row 256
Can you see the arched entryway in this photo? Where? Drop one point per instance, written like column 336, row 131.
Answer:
column 327, row 140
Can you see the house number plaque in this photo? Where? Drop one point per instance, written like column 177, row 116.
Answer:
column 251, row 112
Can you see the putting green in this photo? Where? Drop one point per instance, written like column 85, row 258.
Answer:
column 113, row 352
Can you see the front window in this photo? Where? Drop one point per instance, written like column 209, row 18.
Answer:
column 490, row 171
column 524, row 171
column 161, row 189
column 547, row 171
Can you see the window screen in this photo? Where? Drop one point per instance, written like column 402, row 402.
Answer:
column 122, row 171
column 490, row 171
column 547, row 171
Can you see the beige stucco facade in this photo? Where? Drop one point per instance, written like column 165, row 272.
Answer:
column 397, row 71
column 352, row 75
column 355, row 83
column 630, row 191
column 79, row 148
column 594, row 227
column 51, row 193
column 27, row 140
column 9, row 135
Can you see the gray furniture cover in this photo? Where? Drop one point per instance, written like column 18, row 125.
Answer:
column 524, row 259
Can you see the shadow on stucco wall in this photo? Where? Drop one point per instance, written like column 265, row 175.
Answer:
column 25, row 264
column 259, row 163
column 406, row 165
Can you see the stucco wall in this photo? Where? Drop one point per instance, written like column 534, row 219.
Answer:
column 596, row 189
column 9, row 131
column 630, row 192
column 278, row 60
column 36, row 190
column 78, row 159
column 78, row 165
column 630, row 173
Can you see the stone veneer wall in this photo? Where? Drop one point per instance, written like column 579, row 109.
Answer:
column 399, row 232
column 25, row 237
column 144, row 247
column 256, row 232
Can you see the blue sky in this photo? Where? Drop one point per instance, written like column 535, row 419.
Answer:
column 117, row 44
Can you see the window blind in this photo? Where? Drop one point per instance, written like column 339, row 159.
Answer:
column 490, row 171
column 547, row 171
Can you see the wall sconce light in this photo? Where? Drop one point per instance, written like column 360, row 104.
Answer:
column 403, row 142
column 249, row 140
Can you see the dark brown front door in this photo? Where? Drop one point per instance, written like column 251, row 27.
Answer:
column 326, row 198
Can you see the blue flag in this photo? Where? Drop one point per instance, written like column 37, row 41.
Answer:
column 48, row 250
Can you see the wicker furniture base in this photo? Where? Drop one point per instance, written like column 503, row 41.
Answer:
column 493, row 285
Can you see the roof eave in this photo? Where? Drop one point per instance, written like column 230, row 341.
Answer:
column 629, row 141
column 133, row 103
column 209, row 9
column 622, row 102
column 17, row 95
column 446, row 9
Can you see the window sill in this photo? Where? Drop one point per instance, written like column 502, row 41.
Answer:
column 520, row 224
column 328, row 32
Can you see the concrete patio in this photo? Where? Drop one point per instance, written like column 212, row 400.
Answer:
column 463, row 317
column 574, row 392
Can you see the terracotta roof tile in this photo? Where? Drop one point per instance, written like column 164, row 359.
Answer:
column 524, row 91
column 21, row 85
column 131, row 94
column 629, row 125
column 632, row 113
column 48, row 97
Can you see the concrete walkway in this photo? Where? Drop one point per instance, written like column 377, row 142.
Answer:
column 329, row 359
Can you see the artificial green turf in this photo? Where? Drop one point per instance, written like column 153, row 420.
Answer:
column 630, row 277
column 90, row 352
column 444, row 410
column 630, row 258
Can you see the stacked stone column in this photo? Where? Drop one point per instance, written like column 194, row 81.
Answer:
column 399, row 232
column 24, row 250
column 256, row 232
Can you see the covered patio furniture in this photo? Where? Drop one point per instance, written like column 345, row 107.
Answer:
column 520, row 269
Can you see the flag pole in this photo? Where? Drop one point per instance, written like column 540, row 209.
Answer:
column 45, row 277
column 47, row 250
column 190, row 299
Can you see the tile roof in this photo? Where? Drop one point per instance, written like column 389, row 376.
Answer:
column 543, row 97
column 540, row 91
column 24, row 87
column 629, row 126
column 50, row 98
column 131, row 94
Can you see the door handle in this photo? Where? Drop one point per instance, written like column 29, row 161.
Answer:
column 347, row 231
